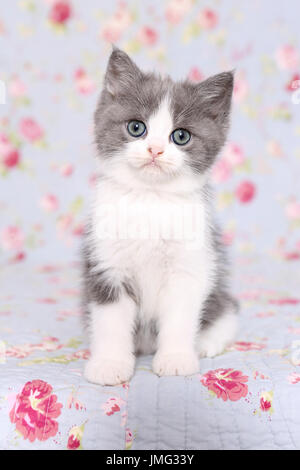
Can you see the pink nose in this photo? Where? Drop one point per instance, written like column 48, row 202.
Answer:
column 155, row 151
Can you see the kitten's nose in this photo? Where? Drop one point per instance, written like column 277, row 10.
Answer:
column 155, row 151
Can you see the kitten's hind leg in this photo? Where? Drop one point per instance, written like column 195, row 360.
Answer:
column 215, row 336
column 111, row 341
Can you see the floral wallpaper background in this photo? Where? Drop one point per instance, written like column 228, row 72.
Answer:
column 53, row 56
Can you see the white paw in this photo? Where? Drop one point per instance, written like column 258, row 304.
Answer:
column 175, row 364
column 108, row 371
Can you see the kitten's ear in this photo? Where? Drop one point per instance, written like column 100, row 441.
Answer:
column 216, row 94
column 121, row 72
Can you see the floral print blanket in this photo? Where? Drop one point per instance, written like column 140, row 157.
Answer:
column 246, row 398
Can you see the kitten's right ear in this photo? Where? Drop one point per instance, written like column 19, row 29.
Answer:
column 121, row 72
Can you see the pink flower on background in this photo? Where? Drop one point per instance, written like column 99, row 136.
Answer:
column 49, row 203
column 265, row 405
column 234, row 154
column 16, row 87
column 294, row 83
column 73, row 442
column 60, row 12
column 221, row 171
column 195, row 75
column 240, row 88
column 117, row 24
column 74, row 401
column 112, row 405
column 228, row 384
column 228, row 237
column 245, row 191
column 12, row 238
column 294, row 378
column 35, row 411
column 176, row 10
column 287, row 57
column 12, row 159
column 31, row 130
column 129, row 437
column 292, row 210
column 83, row 82
column 75, row 437
column 208, row 18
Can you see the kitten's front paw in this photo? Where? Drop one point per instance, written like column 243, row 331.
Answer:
column 108, row 371
column 186, row 363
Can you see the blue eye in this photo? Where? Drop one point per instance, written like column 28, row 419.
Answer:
column 180, row 136
column 136, row 128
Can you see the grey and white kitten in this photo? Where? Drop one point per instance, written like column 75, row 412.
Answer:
column 155, row 282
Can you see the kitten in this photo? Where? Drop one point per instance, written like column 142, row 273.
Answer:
column 150, row 288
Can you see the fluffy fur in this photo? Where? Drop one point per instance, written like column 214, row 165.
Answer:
column 155, row 294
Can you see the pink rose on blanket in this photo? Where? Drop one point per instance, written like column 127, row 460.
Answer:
column 294, row 378
column 228, row 384
column 195, row 75
column 148, row 36
column 35, row 411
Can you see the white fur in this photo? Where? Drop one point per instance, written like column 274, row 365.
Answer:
column 173, row 279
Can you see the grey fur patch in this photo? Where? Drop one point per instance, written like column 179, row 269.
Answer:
column 96, row 286
column 204, row 110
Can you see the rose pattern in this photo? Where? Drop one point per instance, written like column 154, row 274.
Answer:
column 35, row 411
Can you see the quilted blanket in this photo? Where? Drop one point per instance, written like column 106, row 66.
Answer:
column 246, row 398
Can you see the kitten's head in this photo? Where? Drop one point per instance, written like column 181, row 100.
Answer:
column 155, row 129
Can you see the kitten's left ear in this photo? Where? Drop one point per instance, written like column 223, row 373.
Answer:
column 121, row 72
column 216, row 95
